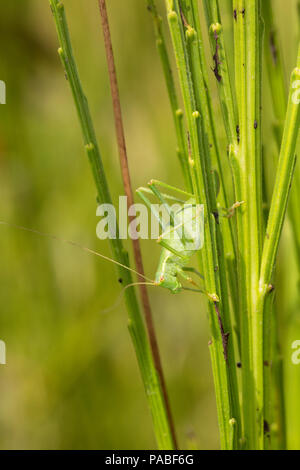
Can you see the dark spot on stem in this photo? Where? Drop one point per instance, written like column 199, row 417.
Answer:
column 267, row 428
column 216, row 216
column 255, row 124
column 235, row 15
column 224, row 335
column 273, row 47
column 266, row 363
column 183, row 18
column 216, row 269
column 216, row 58
column 238, row 133
column 239, row 365
column 120, row 281
column 243, row 12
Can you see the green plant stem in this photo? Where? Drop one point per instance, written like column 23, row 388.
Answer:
column 278, row 375
column 254, row 168
column 275, row 68
column 268, row 349
column 124, row 165
column 203, row 187
column 284, row 177
column 230, row 120
column 204, row 102
column 210, row 145
column 248, row 182
column 136, row 324
column 283, row 182
column 177, row 113
column 227, row 100
column 238, row 161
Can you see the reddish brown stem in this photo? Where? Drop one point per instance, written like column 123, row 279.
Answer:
column 130, row 202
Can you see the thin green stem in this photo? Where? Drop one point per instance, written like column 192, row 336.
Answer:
column 226, row 95
column 275, row 68
column 268, row 340
column 254, row 200
column 136, row 324
column 283, row 181
column 238, row 161
column 187, row 59
column 210, row 144
column 176, row 111
column 204, row 101
column 248, row 182
column 278, row 376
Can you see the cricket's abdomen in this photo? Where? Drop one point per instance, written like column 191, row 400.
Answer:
column 167, row 272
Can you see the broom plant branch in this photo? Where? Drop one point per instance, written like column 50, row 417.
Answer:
column 130, row 201
column 187, row 60
column 226, row 93
column 238, row 156
column 283, row 181
column 224, row 240
column 137, row 328
column 205, row 101
column 172, row 93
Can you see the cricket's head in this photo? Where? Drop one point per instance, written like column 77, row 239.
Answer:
column 169, row 282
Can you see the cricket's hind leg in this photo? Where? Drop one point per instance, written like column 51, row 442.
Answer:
column 193, row 270
column 141, row 193
column 182, row 272
column 155, row 183
column 153, row 188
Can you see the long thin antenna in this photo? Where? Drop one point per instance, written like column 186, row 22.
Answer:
column 130, row 202
column 77, row 245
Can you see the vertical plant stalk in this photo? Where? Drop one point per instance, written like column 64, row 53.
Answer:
column 177, row 113
column 130, row 201
column 275, row 66
column 275, row 69
column 203, row 98
column 230, row 119
column 284, row 177
column 276, row 76
column 248, row 42
column 238, row 161
column 226, row 94
column 283, row 182
column 254, row 166
column 203, row 188
column 223, row 234
column 136, row 324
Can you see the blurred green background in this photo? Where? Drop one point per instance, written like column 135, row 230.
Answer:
column 71, row 379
